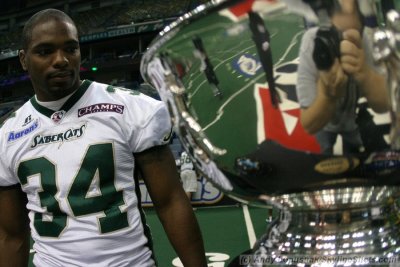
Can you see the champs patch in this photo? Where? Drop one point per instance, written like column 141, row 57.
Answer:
column 68, row 135
column 101, row 107
column 15, row 135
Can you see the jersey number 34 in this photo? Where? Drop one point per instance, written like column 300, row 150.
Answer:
column 98, row 161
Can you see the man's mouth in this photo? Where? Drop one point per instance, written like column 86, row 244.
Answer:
column 62, row 75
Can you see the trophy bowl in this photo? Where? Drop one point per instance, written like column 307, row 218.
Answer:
column 229, row 74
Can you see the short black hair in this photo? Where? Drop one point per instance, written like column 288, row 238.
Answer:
column 41, row 16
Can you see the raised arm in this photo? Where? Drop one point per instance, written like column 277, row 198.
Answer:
column 14, row 228
column 317, row 91
column 329, row 88
column 354, row 63
column 157, row 166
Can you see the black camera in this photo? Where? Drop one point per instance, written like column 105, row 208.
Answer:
column 326, row 47
column 327, row 40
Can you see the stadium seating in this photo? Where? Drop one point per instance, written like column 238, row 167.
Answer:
column 100, row 18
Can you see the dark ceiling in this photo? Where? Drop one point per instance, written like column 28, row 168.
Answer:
column 7, row 6
column 11, row 6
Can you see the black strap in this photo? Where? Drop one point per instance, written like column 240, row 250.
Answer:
column 261, row 37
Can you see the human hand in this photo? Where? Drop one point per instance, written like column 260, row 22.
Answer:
column 352, row 55
column 333, row 81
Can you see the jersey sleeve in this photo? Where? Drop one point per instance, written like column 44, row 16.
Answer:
column 6, row 177
column 154, row 128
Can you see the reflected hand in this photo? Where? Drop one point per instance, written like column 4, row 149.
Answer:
column 352, row 55
column 333, row 81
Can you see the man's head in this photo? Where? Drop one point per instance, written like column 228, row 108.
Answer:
column 51, row 55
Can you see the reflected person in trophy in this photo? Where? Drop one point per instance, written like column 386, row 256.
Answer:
column 329, row 88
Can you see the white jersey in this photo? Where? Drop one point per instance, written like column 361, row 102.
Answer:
column 76, row 167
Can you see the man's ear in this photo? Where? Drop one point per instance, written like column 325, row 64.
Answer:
column 21, row 54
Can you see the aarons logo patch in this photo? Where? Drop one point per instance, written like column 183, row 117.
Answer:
column 68, row 135
column 15, row 135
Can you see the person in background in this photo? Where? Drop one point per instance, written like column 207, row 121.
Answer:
column 188, row 175
column 70, row 158
column 328, row 98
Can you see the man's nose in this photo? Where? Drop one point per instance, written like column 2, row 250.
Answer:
column 60, row 59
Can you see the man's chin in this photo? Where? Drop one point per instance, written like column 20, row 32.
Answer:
column 61, row 88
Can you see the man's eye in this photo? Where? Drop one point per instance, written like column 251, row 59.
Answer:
column 43, row 52
column 72, row 49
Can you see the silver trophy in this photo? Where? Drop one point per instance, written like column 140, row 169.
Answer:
column 229, row 73
column 387, row 52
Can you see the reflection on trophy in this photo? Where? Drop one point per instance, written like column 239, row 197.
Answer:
column 331, row 175
column 387, row 51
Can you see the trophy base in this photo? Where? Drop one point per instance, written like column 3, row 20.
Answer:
column 338, row 227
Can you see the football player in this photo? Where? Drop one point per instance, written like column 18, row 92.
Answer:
column 70, row 160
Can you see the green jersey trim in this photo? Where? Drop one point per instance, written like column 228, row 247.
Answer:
column 67, row 105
